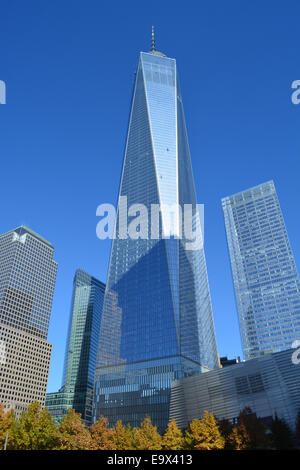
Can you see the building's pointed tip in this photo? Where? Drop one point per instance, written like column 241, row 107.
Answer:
column 153, row 41
column 153, row 50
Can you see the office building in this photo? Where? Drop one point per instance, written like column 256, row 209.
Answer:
column 81, row 349
column 157, row 322
column 266, row 282
column 27, row 281
column 225, row 362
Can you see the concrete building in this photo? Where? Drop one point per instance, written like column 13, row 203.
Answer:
column 27, row 281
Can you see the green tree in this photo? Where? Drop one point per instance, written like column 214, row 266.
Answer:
column 123, row 437
column 249, row 433
column 6, row 422
column 147, row 437
column 204, row 434
column 281, row 435
column 73, row 434
column 172, row 439
column 102, row 436
column 35, row 430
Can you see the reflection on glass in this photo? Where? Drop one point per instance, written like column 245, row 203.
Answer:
column 157, row 322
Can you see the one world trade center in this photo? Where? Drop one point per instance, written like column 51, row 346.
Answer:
column 157, row 322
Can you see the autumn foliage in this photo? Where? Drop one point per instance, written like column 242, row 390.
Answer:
column 36, row 430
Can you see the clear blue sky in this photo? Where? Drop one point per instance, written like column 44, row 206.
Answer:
column 69, row 69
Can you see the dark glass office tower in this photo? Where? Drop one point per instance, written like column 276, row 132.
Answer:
column 81, row 349
column 266, row 282
column 157, row 322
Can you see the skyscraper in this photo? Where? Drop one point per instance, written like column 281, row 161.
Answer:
column 81, row 349
column 266, row 282
column 157, row 322
column 27, row 281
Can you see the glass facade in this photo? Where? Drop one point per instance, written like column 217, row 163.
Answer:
column 266, row 282
column 27, row 281
column 157, row 321
column 81, row 349
column 58, row 404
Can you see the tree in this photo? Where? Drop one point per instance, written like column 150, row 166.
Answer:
column 147, row 437
column 204, row 434
column 123, row 437
column 172, row 439
column 35, row 430
column 6, row 422
column 249, row 433
column 73, row 434
column 297, row 432
column 239, row 439
column 226, row 429
column 102, row 436
column 281, row 435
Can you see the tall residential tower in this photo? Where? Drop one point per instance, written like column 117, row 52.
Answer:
column 266, row 282
column 27, row 281
column 157, row 322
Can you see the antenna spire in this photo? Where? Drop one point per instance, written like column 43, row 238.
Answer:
column 153, row 50
column 153, row 41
